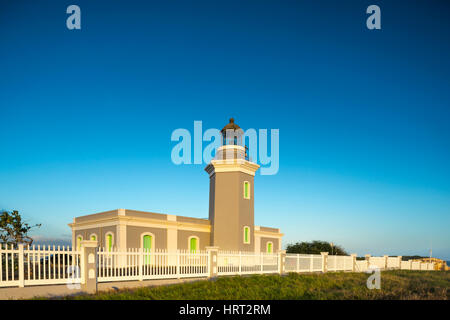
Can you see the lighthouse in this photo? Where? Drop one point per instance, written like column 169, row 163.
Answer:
column 231, row 193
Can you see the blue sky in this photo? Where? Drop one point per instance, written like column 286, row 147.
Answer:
column 86, row 115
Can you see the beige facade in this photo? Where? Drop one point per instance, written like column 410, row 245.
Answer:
column 185, row 235
column 230, row 225
column 167, row 231
column 230, row 212
column 135, row 235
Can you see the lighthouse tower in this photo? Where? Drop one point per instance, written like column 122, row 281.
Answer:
column 231, row 193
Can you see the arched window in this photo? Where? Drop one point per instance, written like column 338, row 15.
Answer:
column 194, row 244
column 148, row 241
column 79, row 239
column 246, row 190
column 269, row 247
column 93, row 237
column 147, row 244
column 109, row 241
column 246, row 234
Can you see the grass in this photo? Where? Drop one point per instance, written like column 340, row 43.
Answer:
column 394, row 285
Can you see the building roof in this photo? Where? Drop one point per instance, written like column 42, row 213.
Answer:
column 230, row 126
column 137, row 214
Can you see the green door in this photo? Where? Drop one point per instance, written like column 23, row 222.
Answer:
column 109, row 242
column 79, row 239
column 147, row 248
column 193, row 245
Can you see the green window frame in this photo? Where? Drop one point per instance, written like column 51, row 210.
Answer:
column 79, row 239
column 246, row 234
column 147, row 246
column 109, row 242
column 93, row 237
column 246, row 190
column 147, row 242
column 193, row 243
column 269, row 247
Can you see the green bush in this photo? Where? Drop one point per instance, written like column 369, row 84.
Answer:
column 315, row 247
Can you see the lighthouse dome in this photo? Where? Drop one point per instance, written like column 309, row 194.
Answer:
column 230, row 126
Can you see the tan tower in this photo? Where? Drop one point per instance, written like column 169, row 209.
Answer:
column 231, row 193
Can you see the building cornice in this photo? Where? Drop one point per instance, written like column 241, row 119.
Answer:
column 234, row 165
column 140, row 222
column 268, row 234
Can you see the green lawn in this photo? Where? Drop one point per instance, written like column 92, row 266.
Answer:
column 394, row 285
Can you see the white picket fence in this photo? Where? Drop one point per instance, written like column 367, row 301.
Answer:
column 339, row 263
column 139, row 264
column 234, row 262
column 416, row 265
column 361, row 265
column 36, row 265
column 393, row 263
column 428, row 266
column 303, row 263
column 384, row 263
column 404, row 265
column 377, row 262
column 44, row 265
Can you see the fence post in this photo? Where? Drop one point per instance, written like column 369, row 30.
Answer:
column 261, row 257
column 399, row 262
column 410, row 264
column 324, row 261
column 240, row 262
column 282, row 261
column 311, row 263
column 367, row 256
column 178, row 264
column 212, row 261
column 353, row 255
column 21, row 266
column 81, row 262
column 385, row 262
column 141, row 264
column 297, row 268
column 89, row 265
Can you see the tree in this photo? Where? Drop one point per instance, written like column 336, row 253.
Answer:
column 315, row 247
column 13, row 230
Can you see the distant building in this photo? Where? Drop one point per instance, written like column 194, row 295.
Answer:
column 439, row 264
column 231, row 214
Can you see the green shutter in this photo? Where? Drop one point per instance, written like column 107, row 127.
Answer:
column 193, row 245
column 147, row 242
column 109, row 242
column 269, row 247
column 246, row 230
column 147, row 248
column 93, row 238
column 246, row 190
